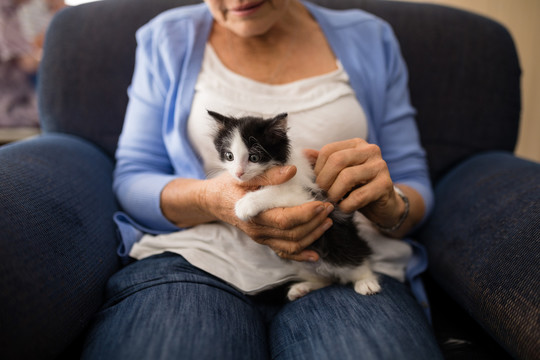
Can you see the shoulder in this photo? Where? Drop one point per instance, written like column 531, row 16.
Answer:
column 354, row 33
column 371, row 37
column 346, row 18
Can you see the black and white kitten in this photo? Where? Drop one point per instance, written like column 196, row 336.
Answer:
column 247, row 147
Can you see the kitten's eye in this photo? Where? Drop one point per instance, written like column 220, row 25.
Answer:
column 229, row 156
column 254, row 158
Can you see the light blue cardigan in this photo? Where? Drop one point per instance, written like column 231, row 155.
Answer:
column 154, row 148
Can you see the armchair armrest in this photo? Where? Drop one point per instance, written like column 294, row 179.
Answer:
column 57, row 242
column 483, row 246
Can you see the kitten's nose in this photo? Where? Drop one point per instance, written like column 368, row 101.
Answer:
column 240, row 173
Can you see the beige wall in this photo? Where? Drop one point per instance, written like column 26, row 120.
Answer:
column 522, row 18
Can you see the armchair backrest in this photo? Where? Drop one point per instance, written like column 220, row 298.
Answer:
column 464, row 73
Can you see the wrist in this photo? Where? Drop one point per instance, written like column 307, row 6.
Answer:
column 203, row 199
column 403, row 214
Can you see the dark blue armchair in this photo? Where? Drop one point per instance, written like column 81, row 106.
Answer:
column 58, row 240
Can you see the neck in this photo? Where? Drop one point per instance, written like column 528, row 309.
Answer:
column 293, row 20
column 276, row 56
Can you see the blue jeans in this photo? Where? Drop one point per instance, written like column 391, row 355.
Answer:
column 162, row 307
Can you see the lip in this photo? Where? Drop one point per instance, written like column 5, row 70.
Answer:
column 247, row 9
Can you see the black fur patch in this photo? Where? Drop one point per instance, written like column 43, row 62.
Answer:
column 340, row 245
column 266, row 138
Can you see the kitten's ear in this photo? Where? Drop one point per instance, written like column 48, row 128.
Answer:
column 221, row 119
column 280, row 122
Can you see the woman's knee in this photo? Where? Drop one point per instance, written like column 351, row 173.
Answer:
column 335, row 322
column 174, row 315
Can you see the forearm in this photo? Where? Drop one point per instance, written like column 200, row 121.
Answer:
column 288, row 231
column 184, row 202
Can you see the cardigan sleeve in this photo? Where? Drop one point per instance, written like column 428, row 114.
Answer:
column 143, row 167
column 397, row 133
column 369, row 51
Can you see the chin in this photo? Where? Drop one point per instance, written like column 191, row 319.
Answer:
column 249, row 30
column 253, row 26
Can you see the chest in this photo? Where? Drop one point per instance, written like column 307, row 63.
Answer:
column 296, row 57
column 321, row 109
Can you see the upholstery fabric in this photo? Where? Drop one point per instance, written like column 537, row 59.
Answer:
column 464, row 78
column 483, row 244
column 57, row 245
column 460, row 62
column 89, row 100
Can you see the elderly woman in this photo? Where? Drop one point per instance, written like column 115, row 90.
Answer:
column 205, row 283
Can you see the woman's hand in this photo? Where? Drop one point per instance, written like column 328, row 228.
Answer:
column 288, row 231
column 355, row 176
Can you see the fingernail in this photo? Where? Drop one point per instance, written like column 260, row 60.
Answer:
column 285, row 169
column 329, row 209
column 327, row 225
column 319, row 209
column 312, row 259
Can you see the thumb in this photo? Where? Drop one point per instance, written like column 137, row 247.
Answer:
column 274, row 176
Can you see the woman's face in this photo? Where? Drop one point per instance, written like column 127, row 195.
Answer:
column 248, row 17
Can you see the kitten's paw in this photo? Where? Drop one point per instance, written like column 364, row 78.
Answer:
column 298, row 290
column 368, row 286
column 245, row 209
column 303, row 288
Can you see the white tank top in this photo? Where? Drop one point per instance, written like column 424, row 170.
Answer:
column 322, row 109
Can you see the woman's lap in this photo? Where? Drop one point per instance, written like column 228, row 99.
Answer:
column 162, row 307
column 389, row 325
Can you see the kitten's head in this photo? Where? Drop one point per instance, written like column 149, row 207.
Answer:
column 248, row 146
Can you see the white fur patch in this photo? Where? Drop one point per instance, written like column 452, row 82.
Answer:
column 292, row 193
column 321, row 274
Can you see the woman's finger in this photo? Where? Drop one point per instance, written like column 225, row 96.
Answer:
column 288, row 231
column 326, row 152
column 298, row 232
column 365, row 195
column 352, row 178
column 342, row 158
column 273, row 176
column 296, row 249
column 287, row 218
